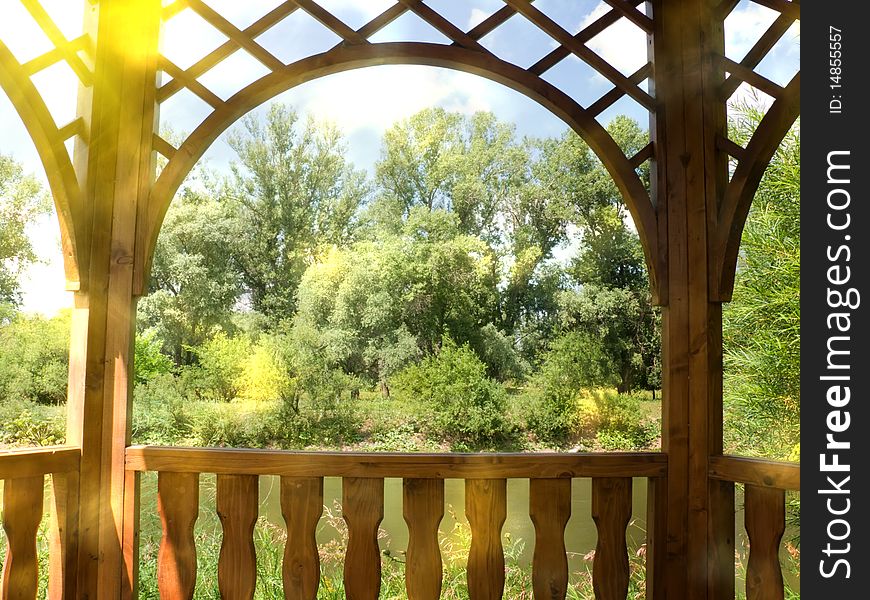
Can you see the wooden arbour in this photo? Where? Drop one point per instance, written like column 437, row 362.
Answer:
column 111, row 205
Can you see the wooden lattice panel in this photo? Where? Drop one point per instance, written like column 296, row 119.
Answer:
column 747, row 163
column 249, row 43
column 41, row 53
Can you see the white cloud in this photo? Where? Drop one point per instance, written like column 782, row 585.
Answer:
column 744, row 26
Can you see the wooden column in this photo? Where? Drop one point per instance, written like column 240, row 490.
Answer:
column 116, row 170
column 691, row 177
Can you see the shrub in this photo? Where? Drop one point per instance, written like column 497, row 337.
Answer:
column 161, row 411
column 34, row 359
column 25, row 423
column 266, row 374
column 222, row 363
column 454, row 390
column 616, row 419
column 148, row 360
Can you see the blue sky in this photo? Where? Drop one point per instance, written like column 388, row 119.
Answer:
column 361, row 103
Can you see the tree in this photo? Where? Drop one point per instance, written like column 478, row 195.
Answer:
column 291, row 192
column 761, row 325
column 195, row 282
column 379, row 304
column 21, row 202
column 610, row 303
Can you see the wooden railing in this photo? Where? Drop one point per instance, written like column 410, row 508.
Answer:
column 363, row 505
column 765, row 483
column 23, row 473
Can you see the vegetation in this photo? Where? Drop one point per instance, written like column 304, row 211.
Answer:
column 762, row 323
column 21, row 201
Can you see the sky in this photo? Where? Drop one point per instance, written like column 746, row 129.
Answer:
column 362, row 103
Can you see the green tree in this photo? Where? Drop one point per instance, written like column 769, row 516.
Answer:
column 378, row 304
column 291, row 191
column 761, row 325
column 195, row 282
column 21, row 201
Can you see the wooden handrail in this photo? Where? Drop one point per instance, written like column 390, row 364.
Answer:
column 756, row 471
column 17, row 463
column 362, row 464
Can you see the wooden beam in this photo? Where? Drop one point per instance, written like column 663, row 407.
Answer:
column 234, row 33
column 117, row 169
column 334, row 24
column 756, row 471
column 380, row 465
column 30, row 462
column 589, row 32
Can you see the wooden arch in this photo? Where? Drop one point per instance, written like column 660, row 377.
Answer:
column 753, row 161
column 345, row 58
column 49, row 141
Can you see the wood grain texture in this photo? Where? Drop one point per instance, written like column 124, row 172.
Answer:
column 237, row 503
column 611, row 511
column 63, row 538
column 550, row 509
column 301, row 506
column 380, row 465
column 30, row 462
column 362, row 509
column 656, row 538
column 486, row 510
column 756, row 471
column 178, row 505
column 130, row 538
column 765, row 524
column 423, row 509
column 22, row 513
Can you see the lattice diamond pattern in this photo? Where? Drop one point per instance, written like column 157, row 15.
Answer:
column 510, row 31
column 761, row 53
column 48, row 48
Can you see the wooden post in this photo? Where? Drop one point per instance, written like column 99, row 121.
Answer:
column 116, row 172
column 691, row 175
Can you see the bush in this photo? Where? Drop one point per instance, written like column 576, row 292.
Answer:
column 34, row 359
column 25, row 423
column 452, row 387
column 161, row 412
column 616, row 420
column 222, row 363
column 148, row 360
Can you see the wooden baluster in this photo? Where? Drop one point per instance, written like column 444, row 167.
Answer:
column 423, row 509
column 301, row 505
column 550, row 509
column 611, row 511
column 130, row 536
column 178, row 504
column 485, row 508
column 656, row 537
column 22, row 512
column 63, row 547
column 237, row 497
column 765, row 524
column 363, row 509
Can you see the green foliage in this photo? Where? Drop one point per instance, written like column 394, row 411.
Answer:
column 453, row 388
column 762, row 323
column 292, row 191
column 148, row 360
column 372, row 308
column 26, row 423
column 222, row 362
column 34, row 359
column 21, row 202
column 194, row 281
